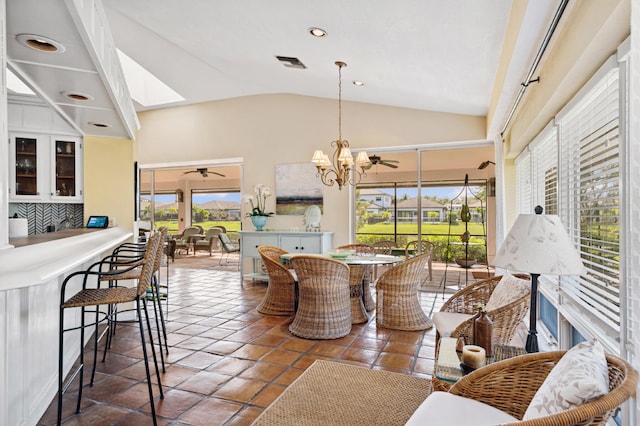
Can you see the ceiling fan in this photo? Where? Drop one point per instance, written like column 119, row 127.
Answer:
column 375, row 160
column 204, row 172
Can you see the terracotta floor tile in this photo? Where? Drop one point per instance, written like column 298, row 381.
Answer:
column 245, row 417
column 210, row 411
column 231, row 366
column 424, row 365
column 269, row 340
column 400, row 348
column 134, row 397
column 204, row 382
column 297, row 344
column 263, row 371
column 361, row 355
column 98, row 414
column 306, row 360
column 176, row 374
column 328, row 350
column 239, row 389
column 282, row 357
column 395, row 360
column 289, row 376
column 253, row 352
column 227, row 361
column 200, row 360
column 174, row 403
column 222, row 347
column 406, row 337
column 268, row 395
column 369, row 343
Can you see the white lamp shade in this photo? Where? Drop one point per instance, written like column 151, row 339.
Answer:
column 539, row 244
column 362, row 159
column 317, row 157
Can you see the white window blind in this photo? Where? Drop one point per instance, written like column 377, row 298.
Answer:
column 589, row 200
column 523, row 182
column 572, row 169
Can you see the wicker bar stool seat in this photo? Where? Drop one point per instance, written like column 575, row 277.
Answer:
column 397, row 304
column 280, row 298
column 96, row 297
column 324, row 310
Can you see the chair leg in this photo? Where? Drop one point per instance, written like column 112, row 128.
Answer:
column 157, row 306
column 162, row 322
column 146, row 362
column 60, row 362
column 153, row 348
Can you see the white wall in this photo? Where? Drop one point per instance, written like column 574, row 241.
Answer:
column 276, row 129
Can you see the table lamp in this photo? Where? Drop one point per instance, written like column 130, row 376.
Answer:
column 538, row 244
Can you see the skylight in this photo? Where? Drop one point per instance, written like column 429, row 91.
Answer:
column 16, row 85
column 146, row 88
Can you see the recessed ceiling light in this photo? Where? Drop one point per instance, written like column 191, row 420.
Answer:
column 358, row 83
column 101, row 125
column 317, row 32
column 77, row 96
column 40, row 43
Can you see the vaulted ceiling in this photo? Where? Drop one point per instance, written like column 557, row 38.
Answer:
column 423, row 54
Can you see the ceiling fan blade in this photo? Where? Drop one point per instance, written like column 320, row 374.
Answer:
column 190, row 171
column 216, row 173
column 384, row 163
column 368, row 166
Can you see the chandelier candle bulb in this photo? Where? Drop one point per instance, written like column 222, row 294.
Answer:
column 474, row 356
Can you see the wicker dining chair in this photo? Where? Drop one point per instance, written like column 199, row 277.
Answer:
column 324, row 310
column 505, row 318
column 384, row 247
column 280, row 298
column 364, row 250
column 397, row 305
column 510, row 385
column 414, row 248
column 111, row 296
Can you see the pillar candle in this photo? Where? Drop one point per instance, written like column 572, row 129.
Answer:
column 474, row 356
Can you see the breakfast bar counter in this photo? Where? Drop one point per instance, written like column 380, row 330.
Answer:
column 30, row 278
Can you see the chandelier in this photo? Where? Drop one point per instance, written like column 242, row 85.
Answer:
column 342, row 162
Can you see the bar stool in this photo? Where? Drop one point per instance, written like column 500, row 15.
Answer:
column 112, row 296
column 125, row 254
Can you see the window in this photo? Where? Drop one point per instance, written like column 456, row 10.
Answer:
column 572, row 169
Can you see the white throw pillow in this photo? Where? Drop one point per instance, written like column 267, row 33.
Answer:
column 443, row 408
column 509, row 288
column 580, row 376
column 446, row 322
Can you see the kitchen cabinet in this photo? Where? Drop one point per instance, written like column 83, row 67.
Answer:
column 45, row 168
column 293, row 242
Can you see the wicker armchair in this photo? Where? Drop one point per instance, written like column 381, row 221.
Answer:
column 505, row 319
column 324, row 310
column 511, row 384
column 280, row 298
column 364, row 250
column 414, row 248
column 397, row 304
column 209, row 241
column 384, row 246
column 185, row 240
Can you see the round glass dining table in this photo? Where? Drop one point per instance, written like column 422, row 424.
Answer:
column 360, row 268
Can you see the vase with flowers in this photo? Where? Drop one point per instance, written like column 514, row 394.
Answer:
column 258, row 201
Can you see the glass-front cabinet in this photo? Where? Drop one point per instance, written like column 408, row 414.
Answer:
column 45, row 168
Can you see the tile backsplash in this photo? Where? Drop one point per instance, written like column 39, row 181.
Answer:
column 41, row 215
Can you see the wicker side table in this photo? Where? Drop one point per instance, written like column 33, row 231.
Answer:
column 446, row 373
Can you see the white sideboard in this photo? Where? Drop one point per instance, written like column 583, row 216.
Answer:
column 293, row 242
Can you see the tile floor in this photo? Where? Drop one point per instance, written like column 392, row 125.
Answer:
column 226, row 361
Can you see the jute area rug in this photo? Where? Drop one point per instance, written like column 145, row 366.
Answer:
column 330, row 393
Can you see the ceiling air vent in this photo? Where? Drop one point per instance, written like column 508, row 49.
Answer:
column 291, row 62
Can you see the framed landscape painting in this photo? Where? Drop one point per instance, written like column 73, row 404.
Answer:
column 297, row 188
